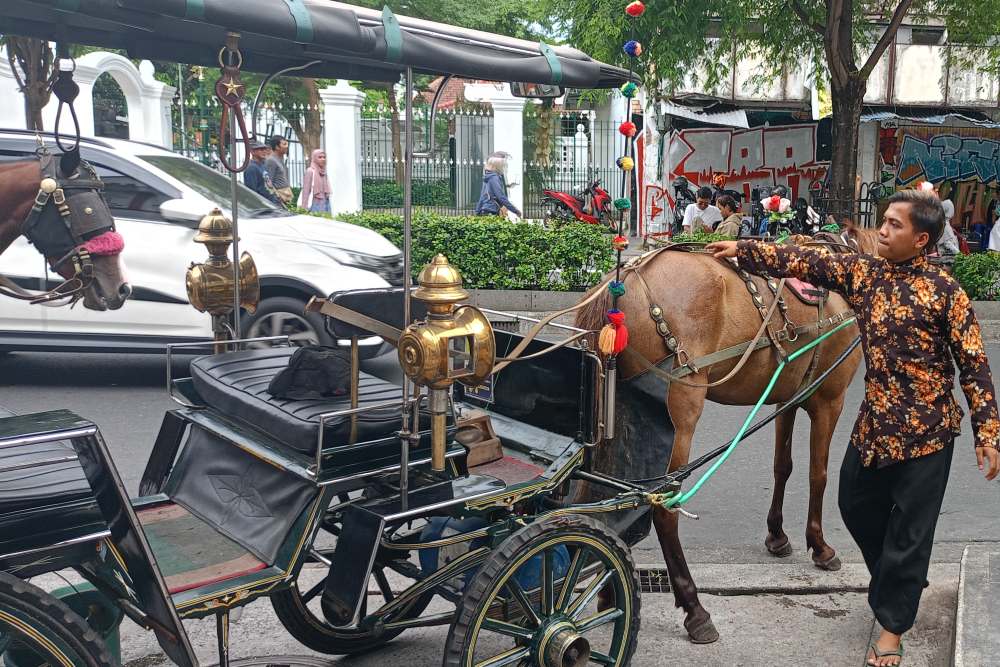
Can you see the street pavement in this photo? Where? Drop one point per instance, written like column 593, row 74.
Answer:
column 768, row 611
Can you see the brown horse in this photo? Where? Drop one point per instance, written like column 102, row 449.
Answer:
column 19, row 183
column 707, row 307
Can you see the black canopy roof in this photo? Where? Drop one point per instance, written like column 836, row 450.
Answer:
column 349, row 42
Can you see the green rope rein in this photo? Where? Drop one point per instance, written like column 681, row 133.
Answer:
column 673, row 500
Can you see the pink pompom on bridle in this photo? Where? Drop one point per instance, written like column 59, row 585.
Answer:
column 108, row 243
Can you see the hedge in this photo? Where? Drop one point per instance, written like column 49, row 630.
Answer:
column 494, row 253
column 979, row 275
column 386, row 193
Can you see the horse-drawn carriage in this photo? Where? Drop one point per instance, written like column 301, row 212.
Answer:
column 311, row 502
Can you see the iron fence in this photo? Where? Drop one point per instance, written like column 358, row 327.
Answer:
column 863, row 209
column 446, row 180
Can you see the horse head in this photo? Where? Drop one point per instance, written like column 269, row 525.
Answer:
column 70, row 224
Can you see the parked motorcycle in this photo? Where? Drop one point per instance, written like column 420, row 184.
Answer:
column 592, row 206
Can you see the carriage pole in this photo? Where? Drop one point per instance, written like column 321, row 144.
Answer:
column 405, row 435
column 236, row 230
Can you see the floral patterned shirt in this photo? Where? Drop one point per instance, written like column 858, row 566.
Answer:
column 910, row 315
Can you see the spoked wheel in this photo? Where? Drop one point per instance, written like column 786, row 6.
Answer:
column 535, row 601
column 37, row 629
column 298, row 609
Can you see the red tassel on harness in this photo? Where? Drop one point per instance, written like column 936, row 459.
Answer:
column 617, row 320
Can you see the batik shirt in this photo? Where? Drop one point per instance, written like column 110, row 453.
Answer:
column 910, row 315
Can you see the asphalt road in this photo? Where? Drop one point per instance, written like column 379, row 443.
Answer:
column 125, row 395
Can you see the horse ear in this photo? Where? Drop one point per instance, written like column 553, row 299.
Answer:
column 69, row 162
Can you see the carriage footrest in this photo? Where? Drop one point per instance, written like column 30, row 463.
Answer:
column 347, row 583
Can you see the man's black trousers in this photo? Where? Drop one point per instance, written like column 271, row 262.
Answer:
column 891, row 513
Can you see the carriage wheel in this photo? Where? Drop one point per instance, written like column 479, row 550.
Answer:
column 38, row 629
column 504, row 621
column 298, row 609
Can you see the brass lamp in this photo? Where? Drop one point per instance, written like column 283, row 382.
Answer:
column 453, row 343
column 210, row 284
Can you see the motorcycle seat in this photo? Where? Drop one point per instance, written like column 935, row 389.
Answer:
column 235, row 384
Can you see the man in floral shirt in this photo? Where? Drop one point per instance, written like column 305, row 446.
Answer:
column 914, row 319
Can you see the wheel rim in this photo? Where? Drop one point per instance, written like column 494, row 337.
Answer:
column 299, row 331
column 27, row 647
column 558, row 623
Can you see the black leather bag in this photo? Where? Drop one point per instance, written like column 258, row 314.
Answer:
column 313, row 372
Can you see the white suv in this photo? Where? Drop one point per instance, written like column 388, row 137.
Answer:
column 157, row 198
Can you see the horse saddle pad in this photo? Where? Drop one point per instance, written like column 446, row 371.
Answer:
column 236, row 383
column 805, row 292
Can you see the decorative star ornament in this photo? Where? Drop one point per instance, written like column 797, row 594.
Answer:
column 232, row 87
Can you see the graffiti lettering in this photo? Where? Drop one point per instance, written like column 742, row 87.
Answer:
column 947, row 157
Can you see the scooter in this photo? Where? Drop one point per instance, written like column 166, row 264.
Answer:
column 592, row 206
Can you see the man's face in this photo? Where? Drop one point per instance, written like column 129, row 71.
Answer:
column 898, row 241
column 282, row 147
column 260, row 154
column 703, row 203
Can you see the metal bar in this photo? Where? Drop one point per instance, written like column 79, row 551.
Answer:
column 376, row 472
column 404, row 465
column 51, row 436
column 237, row 331
column 519, row 318
column 92, row 537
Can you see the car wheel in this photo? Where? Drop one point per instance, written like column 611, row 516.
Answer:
column 286, row 316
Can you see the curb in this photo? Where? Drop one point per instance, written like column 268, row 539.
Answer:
column 958, row 657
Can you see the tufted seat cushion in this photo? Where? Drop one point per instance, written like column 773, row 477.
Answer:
column 235, row 384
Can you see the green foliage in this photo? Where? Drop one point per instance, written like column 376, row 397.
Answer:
column 493, row 253
column 979, row 275
column 386, row 193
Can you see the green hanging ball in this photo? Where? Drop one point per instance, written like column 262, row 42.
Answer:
column 629, row 89
column 623, row 204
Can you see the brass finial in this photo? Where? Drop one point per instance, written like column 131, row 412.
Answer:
column 440, row 283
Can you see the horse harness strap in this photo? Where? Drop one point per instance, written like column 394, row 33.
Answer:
column 759, row 343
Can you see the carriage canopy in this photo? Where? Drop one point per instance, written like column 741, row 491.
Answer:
column 341, row 40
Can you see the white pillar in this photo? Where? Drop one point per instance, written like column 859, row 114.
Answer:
column 156, row 100
column 12, row 112
column 508, row 136
column 342, row 137
column 85, row 76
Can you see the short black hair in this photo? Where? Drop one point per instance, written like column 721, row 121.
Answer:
column 704, row 192
column 275, row 141
column 727, row 201
column 926, row 213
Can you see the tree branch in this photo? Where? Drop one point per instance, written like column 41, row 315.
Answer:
column 800, row 11
column 839, row 67
column 887, row 37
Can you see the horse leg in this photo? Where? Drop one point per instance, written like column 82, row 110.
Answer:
column 685, row 405
column 777, row 541
column 823, row 414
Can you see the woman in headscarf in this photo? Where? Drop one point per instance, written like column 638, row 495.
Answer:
column 315, row 195
column 493, row 197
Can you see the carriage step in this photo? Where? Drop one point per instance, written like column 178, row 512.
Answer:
column 433, row 497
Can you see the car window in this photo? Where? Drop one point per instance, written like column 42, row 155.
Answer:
column 15, row 156
column 129, row 196
column 213, row 186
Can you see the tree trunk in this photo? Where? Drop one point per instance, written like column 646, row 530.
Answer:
column 33, row 64
column 309, row 128
column 847, row 102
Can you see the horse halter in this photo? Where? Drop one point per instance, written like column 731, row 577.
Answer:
column 68, row 212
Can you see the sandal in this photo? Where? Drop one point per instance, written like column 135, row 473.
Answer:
column 887, row 654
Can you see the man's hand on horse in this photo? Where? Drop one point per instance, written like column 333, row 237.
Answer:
column 722, row 249
column 989, row 461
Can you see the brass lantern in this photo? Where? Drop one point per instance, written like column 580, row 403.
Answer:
column 210, row 284
column 453, row 343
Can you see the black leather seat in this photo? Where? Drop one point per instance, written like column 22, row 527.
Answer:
column 235, row 384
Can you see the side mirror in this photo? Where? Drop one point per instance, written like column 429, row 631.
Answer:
column 183, row 211
column 536, row 91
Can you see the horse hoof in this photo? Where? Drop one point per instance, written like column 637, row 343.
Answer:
column 782, row 550
column 832, row 564
column 703, row 632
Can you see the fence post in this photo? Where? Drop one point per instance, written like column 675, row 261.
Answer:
column 157, row 99
column 342, row 138
column 508, row 136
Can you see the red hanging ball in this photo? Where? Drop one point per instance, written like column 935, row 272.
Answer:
column 617, row 320
column 620, row 243
column 628, row 128
column 635, row 9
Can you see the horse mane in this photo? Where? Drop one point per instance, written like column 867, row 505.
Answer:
column 18, row 186
column 592, row 316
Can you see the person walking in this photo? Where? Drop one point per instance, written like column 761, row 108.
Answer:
column 315, row 194
column 493, row 196
column 914, row 319
column 277, row 170
column 256, row 177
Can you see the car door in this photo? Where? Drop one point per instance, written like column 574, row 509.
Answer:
column 157, row 253
column 24, row 265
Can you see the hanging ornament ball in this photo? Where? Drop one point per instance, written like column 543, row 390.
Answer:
column 617, row 320
column 633, row 48
column 623, row 204
column 620, row 243
column 625, row 163
column 617, row 288
column 606, row 341
column 628, row 128
column 635, row 9
column 628, row 89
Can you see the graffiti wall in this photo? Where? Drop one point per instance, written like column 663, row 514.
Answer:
column 964, row 161
column 747, row 158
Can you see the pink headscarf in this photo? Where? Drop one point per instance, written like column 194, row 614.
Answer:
column 320, row 186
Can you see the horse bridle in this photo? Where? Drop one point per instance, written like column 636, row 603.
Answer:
column 67, row 212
